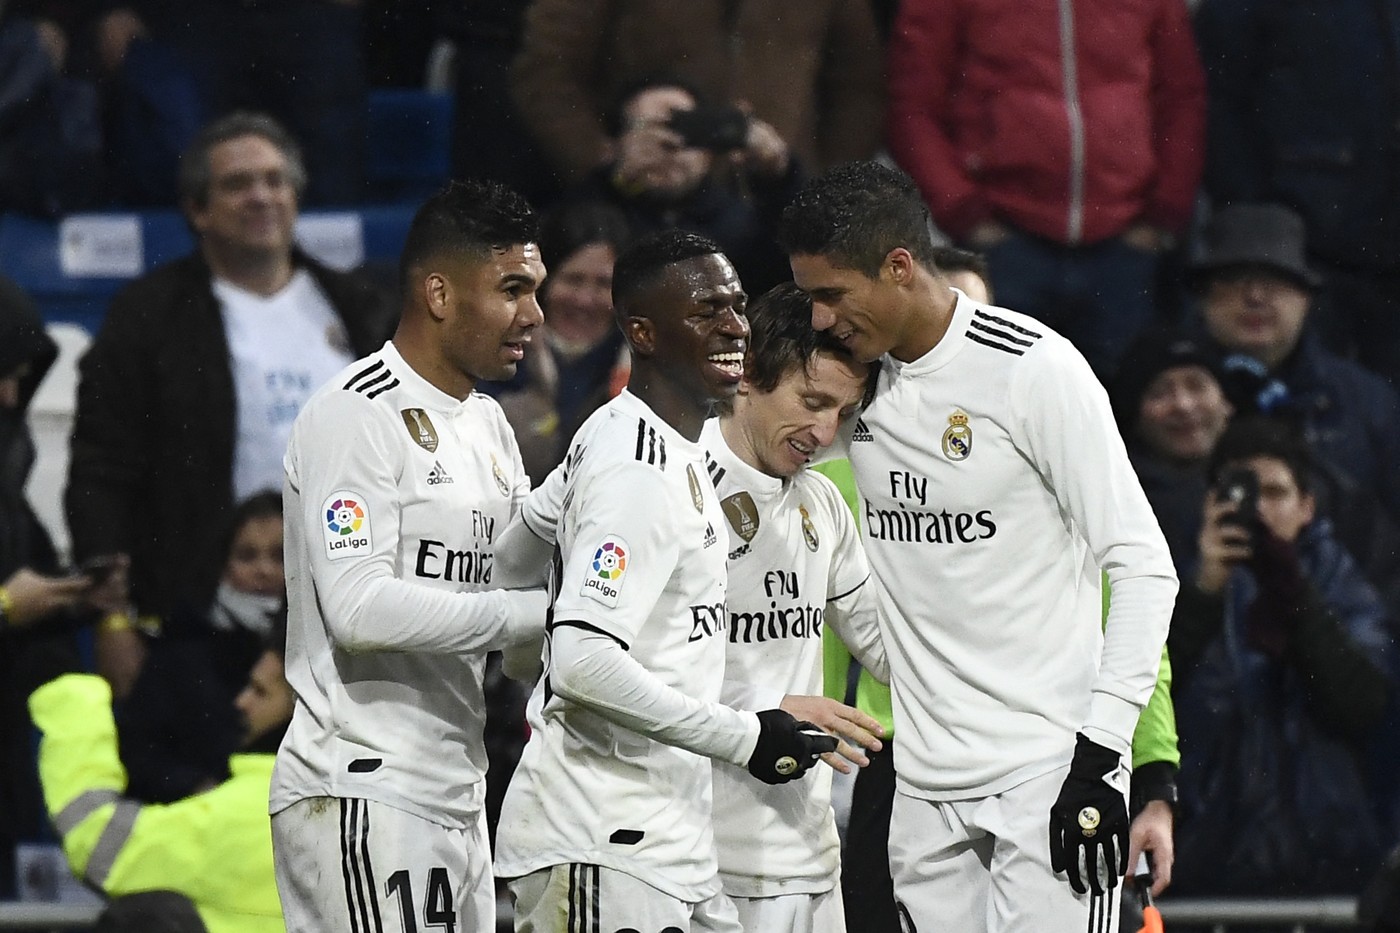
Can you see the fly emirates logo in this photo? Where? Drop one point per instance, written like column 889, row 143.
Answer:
column 912, row 519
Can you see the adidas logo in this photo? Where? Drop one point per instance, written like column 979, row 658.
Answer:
column 861, row 433
column 709, row 535
column 438, row 475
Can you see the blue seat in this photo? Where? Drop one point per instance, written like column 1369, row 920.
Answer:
column 408, row 150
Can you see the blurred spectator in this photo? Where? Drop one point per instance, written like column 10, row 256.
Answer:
column 302, row 61
column 189, row 390
column 730, row 185
column 50, row 131
column 37, row 598
column 1171, row 408
column 577, row 360
column 1064, row 140
column 810, row 70
column 1283, row 675
column 178, row 726
column 212, row 850
column 1304, row 112
column 1257, row 290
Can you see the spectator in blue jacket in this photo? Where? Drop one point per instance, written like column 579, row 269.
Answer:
column 1258, row 289
column 1283, row 679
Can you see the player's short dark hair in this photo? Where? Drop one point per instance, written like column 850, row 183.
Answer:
column 642, row 263
column 781, row 337
column 196, row 173
column 1265, row 436
column 471, row 217
column 855, row 214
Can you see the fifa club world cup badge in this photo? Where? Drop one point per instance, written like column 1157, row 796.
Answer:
column 742, row 514
column 695, row 495
column 957, row 440
column 809, row 531
column 420, row 428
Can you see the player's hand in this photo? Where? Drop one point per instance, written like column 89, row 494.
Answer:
column 1151, row 832
column 786, row 748
column 1089, row 820
column 853, row 729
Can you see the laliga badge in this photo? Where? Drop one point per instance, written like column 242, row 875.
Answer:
column 346, row 528
column 500, row 476
column 602, row 580
column 957, row 440
column 809, row 531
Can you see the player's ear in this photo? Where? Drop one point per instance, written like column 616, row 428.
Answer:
column 641, row 335
column 899, row 266
column 437, row 294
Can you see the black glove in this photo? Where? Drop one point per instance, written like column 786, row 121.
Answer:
column 786, row 748
column 1089, row 820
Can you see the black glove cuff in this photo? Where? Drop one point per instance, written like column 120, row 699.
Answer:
column 1155, row 780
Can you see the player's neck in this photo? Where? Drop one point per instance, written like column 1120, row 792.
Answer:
column 677, row 407
column 927, row 317
column 425, row 358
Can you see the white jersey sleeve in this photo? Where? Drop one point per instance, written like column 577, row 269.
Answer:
column 352, row 474
column 1063, row 410
column 852, row 608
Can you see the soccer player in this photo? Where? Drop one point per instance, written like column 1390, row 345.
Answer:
column 796, row 566
column 608, row 817
column 994, row 487
column 399, row 481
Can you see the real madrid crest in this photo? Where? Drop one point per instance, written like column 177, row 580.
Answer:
column 695, row 497
column 420, row 428
column 809, row 531
column 742, row 514
column 500, row 475
column 957, row 440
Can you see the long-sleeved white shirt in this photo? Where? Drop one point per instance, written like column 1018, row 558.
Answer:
column 994, row 488
column 395, row 494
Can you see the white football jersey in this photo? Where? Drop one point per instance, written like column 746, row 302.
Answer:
column 394, row 495
column 794, row 557
column 994, row 486
column 641, row 559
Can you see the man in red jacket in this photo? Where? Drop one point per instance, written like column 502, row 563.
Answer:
column 1063, row 138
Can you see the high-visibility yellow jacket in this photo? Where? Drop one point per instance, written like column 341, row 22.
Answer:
column 214, row 847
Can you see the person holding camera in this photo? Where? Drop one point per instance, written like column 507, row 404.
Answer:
column 1284, row 676
column 679, row 161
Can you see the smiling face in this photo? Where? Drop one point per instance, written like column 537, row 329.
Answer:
column 779, row 432
column 489, row 309
column 578, row 303
column 1182, row 414
column 251, row 205
column 865, row 314
column 698, row 331
column 1284, row 507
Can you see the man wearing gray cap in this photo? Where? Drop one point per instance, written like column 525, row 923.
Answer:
column 1257, row 291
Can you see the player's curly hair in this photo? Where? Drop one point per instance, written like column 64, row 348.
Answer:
column 855, row 214
column 469, row 216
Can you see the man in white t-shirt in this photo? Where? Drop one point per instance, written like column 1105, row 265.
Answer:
column 188, row 392
column 995, row 490
column 796, row 565
column 399, row 481
column 608, row 817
